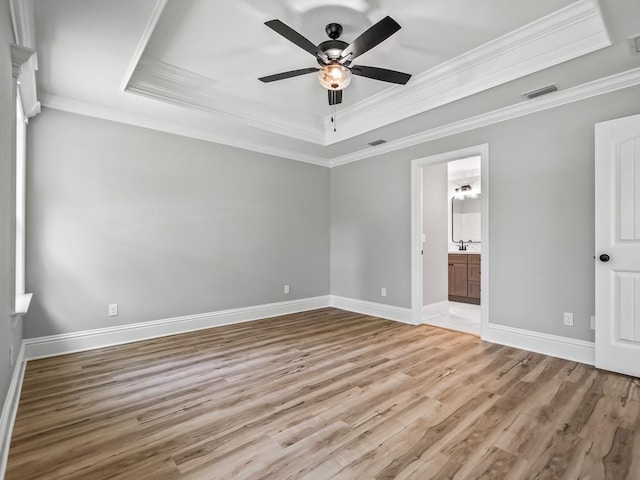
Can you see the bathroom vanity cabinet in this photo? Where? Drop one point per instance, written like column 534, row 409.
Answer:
column 464, row 277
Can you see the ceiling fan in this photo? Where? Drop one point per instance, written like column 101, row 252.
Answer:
column 336, row 57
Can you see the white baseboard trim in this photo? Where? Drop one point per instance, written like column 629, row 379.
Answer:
column 105, row 337
column 389, row 312
column 552, row 345
column 435, row 309
column 10, row 408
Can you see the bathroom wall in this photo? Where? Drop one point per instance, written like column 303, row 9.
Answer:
column 462, row 172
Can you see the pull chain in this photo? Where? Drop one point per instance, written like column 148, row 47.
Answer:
column 333, row 117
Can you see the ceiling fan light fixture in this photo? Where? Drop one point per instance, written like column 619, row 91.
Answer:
column 334, row 76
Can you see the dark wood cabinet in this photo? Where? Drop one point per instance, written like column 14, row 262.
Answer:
column 457, row 275
column 474, row 292
column 464, row 277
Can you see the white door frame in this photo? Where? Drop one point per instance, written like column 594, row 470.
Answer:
column 416, row 228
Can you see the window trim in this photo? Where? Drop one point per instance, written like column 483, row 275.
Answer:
column 22, row 299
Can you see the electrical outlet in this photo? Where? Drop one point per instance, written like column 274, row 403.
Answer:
column 593, row 322
column 113, row 310
column 383, row 292
column 568, row 319
column 11, row 356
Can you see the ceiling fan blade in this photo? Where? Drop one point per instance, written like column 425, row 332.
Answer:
column 296, row 38
column 381, row 74
column 335, row 97
column 373, row 36
column 283, row 75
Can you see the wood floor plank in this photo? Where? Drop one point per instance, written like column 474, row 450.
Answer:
column 323, row 395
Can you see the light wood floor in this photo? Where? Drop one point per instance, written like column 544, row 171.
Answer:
column 323, row 395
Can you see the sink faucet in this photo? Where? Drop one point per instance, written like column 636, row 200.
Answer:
column 462, row 247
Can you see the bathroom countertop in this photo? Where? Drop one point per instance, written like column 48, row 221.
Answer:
column 465, row 252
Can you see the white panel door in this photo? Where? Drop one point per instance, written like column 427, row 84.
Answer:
column 618, row 245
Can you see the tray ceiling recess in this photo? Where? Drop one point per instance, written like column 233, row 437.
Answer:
column 217, row 74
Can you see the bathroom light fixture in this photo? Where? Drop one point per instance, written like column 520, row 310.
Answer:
column 465, row 191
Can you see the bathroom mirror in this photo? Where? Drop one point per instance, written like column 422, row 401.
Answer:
column 465, row 219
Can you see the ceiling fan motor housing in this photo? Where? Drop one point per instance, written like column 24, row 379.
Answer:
column 332, row 48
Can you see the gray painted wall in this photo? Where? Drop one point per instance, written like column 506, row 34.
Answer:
column 365, row 244
column 434, row 225
column 9, row 334
column 167, row 226
column 541, row 217
column 163, row 225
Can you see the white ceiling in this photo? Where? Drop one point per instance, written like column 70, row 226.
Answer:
column 191, row 66
column 227, row 42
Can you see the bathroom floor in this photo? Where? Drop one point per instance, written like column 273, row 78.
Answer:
column 463, row 317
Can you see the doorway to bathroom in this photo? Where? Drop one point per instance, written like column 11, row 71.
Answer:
column 450, row 240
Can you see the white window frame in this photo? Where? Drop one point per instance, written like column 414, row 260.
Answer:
column 22, row 299
column 24, row 63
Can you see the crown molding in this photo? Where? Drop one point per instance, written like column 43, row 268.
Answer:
column 99, row 111
column 601, row 86
column 595, row 88
column 563, row 35
column 162, row 81
column 156, row 13
column 22, row 21
column 158, row 80
column 24, row 58
column 19, row 56
column 569, row 33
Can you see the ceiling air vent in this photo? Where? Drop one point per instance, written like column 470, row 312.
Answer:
column 375, row 143
column 635, row 44
column 538, row 92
